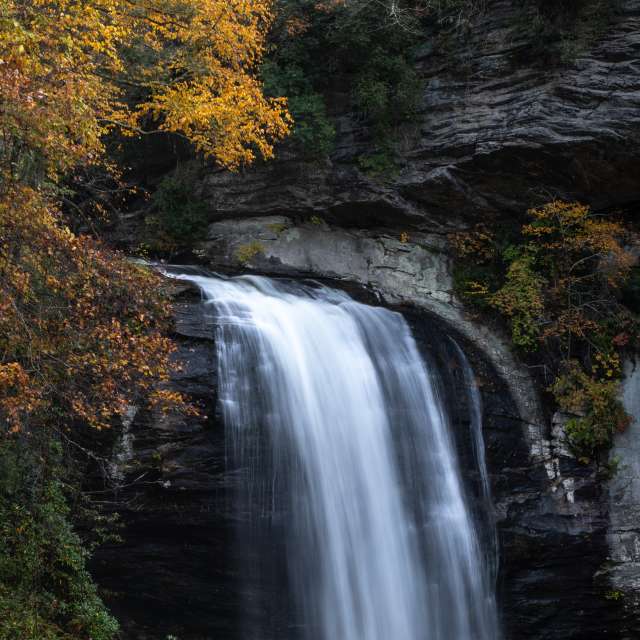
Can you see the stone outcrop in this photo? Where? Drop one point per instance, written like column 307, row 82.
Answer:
column 495, row 136
column 400, row 269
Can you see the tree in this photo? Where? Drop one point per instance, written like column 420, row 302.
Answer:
column 72, row 71
column 82, row 329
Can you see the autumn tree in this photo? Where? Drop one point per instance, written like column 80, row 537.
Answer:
column 559, row 283
column 83, row 329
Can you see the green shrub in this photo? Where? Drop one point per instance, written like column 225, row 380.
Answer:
column 521, row 300
column 180, row 219
column 313, row 131
column 355, row 50
column 597, row 413
column 46, row 592
column 387, row 93
column 380, row 165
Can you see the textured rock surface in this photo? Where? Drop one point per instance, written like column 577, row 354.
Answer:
column 495, row 136
column 624, row 501
column 414, row 269
column 180, row 570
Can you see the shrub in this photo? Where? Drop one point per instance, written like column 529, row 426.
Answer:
column 313, row 131
column 521, row 300
column 46, row 592
column 180, row 219
column 380, row 164
column 386, row 93
column 597, row 413
column 559, row 285
column 361, row 50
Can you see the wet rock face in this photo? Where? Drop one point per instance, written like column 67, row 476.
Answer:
column 174, row 500
column 181, row 571
column 623, row 570
column 551, row 511
column 491, row 141
column 496, row 135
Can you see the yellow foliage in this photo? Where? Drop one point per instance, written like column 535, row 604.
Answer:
column 597, row 413
column 521, row 299
column 477, row 243
column 81, row 328
column 65, row 65
column 574, row 235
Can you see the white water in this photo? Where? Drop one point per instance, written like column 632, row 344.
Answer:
column 381, row 545
column 476, row 410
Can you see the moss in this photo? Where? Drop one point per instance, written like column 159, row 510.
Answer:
column 277, row 227
column 246, row 252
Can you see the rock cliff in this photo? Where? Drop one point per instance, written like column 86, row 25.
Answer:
column 495, row 136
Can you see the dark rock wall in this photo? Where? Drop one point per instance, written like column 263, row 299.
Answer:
column 501, row 129
column 181, row 570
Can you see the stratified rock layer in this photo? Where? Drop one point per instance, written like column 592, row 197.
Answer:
column 496, row 135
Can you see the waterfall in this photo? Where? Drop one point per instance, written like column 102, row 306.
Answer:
column 359, row 469
column 477, row 439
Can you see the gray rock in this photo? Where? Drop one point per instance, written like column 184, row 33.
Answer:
column 624, row 496
column 491, row 141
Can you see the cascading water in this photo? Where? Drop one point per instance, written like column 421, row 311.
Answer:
column 362, row 473
column 475, row 411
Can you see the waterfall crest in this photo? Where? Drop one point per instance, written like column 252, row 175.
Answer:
column 362, row 468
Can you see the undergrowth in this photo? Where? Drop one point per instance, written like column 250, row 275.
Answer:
column 563, row 283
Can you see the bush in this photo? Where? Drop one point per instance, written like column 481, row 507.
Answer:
column 180, row 219
column 312, row 131
column 560, row 285
column 357, row 49
column 46, row 592
column 595, row 406
column 379, row 164
column 521, row 300
column 387, row 93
